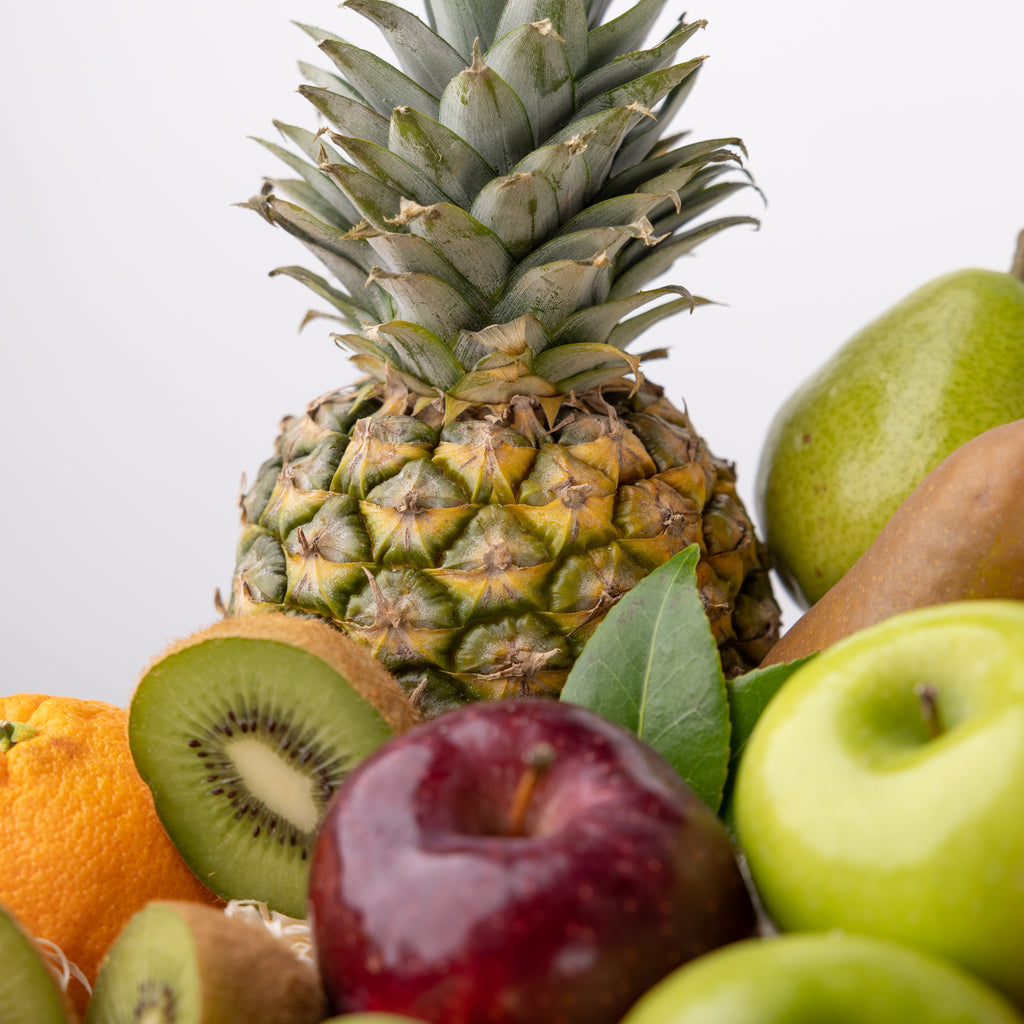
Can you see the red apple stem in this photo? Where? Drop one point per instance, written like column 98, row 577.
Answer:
column 1017, row 270
column 928, row 699
column 537, row 760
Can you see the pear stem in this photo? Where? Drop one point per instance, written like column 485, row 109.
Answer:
column 537, row 760
column 1017, row 270
column 928, row 698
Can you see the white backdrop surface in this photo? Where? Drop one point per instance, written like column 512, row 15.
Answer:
column 147, row 358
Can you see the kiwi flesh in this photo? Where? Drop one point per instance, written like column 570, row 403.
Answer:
column 29, row 990
column 243, row 731
column 188, row 963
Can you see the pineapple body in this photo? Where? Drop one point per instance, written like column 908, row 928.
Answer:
column 491, row 214
column 475, row 558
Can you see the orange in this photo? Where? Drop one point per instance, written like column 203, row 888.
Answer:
column 81, row 847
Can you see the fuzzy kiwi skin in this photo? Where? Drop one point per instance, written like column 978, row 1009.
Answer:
column 366, row 674
column 958, row 536
column 246, row 975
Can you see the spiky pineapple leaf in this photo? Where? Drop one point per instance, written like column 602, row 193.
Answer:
column 423, row 55
column 554, row 291
column 520, row 209
column 600, row 322
column 568, row 19
column 410, row 253
column 628, row 330
column 457, row 169
column 565, row 168
column 376, row 201
column 471, row 247
column 589, row 244
column 332, row 204
column 350, row 260
column 352, row 314
column 603, row 133
column 389, row 167
column 662, row 256
column 633, row 65
column 617, row 212
column 347, row 115
column 532, row 60
column 477, row 101
column 462, row 22
column 427, row 300
column 653, row 666
column 381, row 85
column 422, row 352
column 567, row 361
column 645, row 91
column 639, row 177
column 622, row 34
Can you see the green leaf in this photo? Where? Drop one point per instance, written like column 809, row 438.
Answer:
column 381, row 85
column 424, row 56
column 631, row 66
column 532, row 60
column 437, row 152
column 347, row 115
column 568, row 19
column 749, row 694
column 352, row 314
column 622, row 34
column 462, row 21
column 479, row 106
column 471, row 247
column 653, row 667
column 521, row 210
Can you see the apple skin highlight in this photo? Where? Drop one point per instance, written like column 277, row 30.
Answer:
column 438, row 892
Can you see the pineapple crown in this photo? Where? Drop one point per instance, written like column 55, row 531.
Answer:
column 492, row 210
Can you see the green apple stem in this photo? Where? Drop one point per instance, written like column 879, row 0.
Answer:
column 537, row 759
column 928, row 698
column 1018, row 260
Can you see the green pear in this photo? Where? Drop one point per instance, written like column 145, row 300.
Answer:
column 843, row 452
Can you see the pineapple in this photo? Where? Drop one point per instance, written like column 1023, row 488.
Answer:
column 492, row 214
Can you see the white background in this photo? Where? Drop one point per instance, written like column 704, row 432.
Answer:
column 147, row 358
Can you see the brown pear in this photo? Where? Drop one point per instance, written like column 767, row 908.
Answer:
column 959, row 535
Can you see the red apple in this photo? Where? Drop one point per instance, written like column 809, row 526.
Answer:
column 517, row 861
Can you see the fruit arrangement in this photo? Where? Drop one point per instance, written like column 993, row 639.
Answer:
column 497, row 725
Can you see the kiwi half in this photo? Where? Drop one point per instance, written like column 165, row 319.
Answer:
column 188, row 963
column 243, row 731
column 29, row 991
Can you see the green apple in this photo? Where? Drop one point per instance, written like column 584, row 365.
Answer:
column 882, row 790
column 819, row 977
column 848, row 446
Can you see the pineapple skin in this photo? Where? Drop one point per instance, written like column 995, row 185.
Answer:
column 474, row 559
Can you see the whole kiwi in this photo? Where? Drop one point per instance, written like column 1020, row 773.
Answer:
column 958, row 536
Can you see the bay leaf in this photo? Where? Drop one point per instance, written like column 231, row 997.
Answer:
column 653, row 667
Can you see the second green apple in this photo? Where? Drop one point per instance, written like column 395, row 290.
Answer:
column 941, row 367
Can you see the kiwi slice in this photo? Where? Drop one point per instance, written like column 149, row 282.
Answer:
column 188, row 963
column 29, row 990
column 243, row 731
